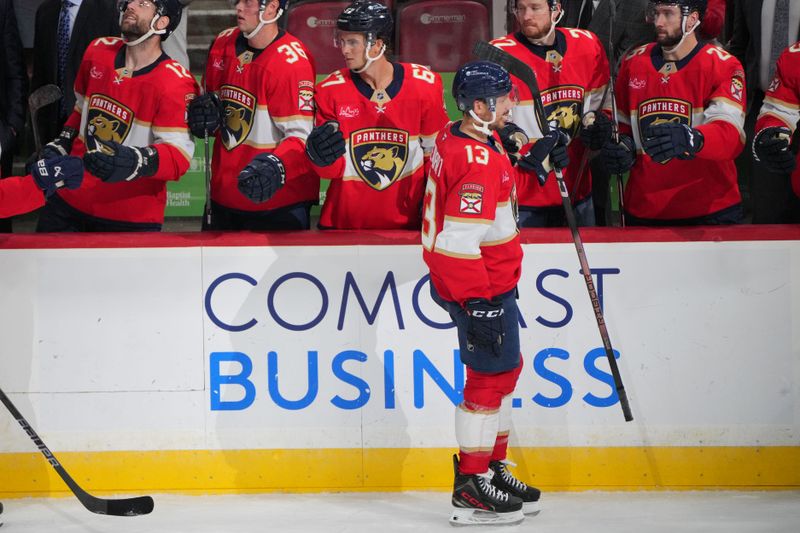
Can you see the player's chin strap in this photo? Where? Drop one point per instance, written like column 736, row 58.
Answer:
column 684, row 33
column 370, row 60
column 482, row 125
column 550, row 33
column 152, row 31
column 262, row 22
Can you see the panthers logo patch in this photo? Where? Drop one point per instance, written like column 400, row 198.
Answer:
column 240, row 109
column 107, row 119
column 563, row 105
column 379, row 155
column 663, row 111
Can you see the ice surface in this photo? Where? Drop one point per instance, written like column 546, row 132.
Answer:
column 419, row 512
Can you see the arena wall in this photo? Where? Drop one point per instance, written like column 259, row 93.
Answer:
column 221, row 363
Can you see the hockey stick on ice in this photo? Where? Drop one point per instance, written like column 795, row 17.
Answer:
column 121, row 507
column 43, row 96
column 514, row 66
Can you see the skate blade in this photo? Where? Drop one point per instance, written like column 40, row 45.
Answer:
column 530, row 508
column 479, row 517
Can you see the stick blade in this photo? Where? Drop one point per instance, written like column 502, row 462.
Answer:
column 44, row 95
column 139, row 505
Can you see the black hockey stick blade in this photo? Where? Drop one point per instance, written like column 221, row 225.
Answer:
column 44, row 95
column 518, row 68
column 138, row 505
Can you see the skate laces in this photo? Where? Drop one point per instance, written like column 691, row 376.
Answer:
column 485, row 482
column 509, row 478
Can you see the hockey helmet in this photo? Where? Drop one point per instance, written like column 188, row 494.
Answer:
column 480, row 80
column 686, row 7
column 370, row 18
column 172, row 9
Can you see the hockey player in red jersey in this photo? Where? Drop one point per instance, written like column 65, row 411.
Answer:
column 259, row 104
column 471, row 245
column 21, row 194
column 129, row 125
column 681, row 111
column 777, row 125
column 376, row 124
column 572, row 73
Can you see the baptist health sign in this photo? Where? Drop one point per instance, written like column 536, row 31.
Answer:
column 183, row 344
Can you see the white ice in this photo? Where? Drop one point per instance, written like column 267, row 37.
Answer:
column 419, row 512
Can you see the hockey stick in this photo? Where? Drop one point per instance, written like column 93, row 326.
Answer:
column 612, row 14
column 122, row 507
column 514, row 66
column 43, row 96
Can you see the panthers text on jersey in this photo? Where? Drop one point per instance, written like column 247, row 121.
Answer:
column 140, row 108
column 379, row 182
column 572, row 75
column 470, row 238
column 781, row 106
column 268, row 98
column 704, row 90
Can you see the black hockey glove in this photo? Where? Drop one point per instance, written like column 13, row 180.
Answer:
column 547, row 153
column 772, row 148
column 54, row 173
column 595, row 130
column 662, row 142
column 513, row 138
column 485, row 326
column 619, row 157
column 325, row 144
column 262, row 177
column 114, row 162
column 205, row 114
column 60, row 146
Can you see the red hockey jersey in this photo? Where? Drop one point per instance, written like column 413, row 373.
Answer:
column 146, row 107
column 572, row 76
column 470, row 238
column 268, row 96
column 704, row 90
column 379, row 182
column 18, row 195
column 781, row 106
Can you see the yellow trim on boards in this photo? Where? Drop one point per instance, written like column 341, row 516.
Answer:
column 389, row 469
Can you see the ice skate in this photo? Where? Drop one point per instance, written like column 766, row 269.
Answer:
column 504, row 480
column 477, row 502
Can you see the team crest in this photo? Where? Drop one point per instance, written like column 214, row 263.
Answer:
column 555, row 59
column 663, row 111
column 306, row 96
column 379, row 155
column 107, row 119
column 471, row 195
column 737, row 89
column 240, row 107
column 564, row 105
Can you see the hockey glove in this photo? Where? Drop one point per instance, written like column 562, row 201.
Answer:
column 262, row 178
column 325, row 144
column 513, row 138
column 205, row 114
column 619, row 157
column 113, row 162
column 54, row 173
column 596, row 130
column 547, row 153
column 771, row 147
column 60, row 146
column 662, row 142
column 485, row 326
